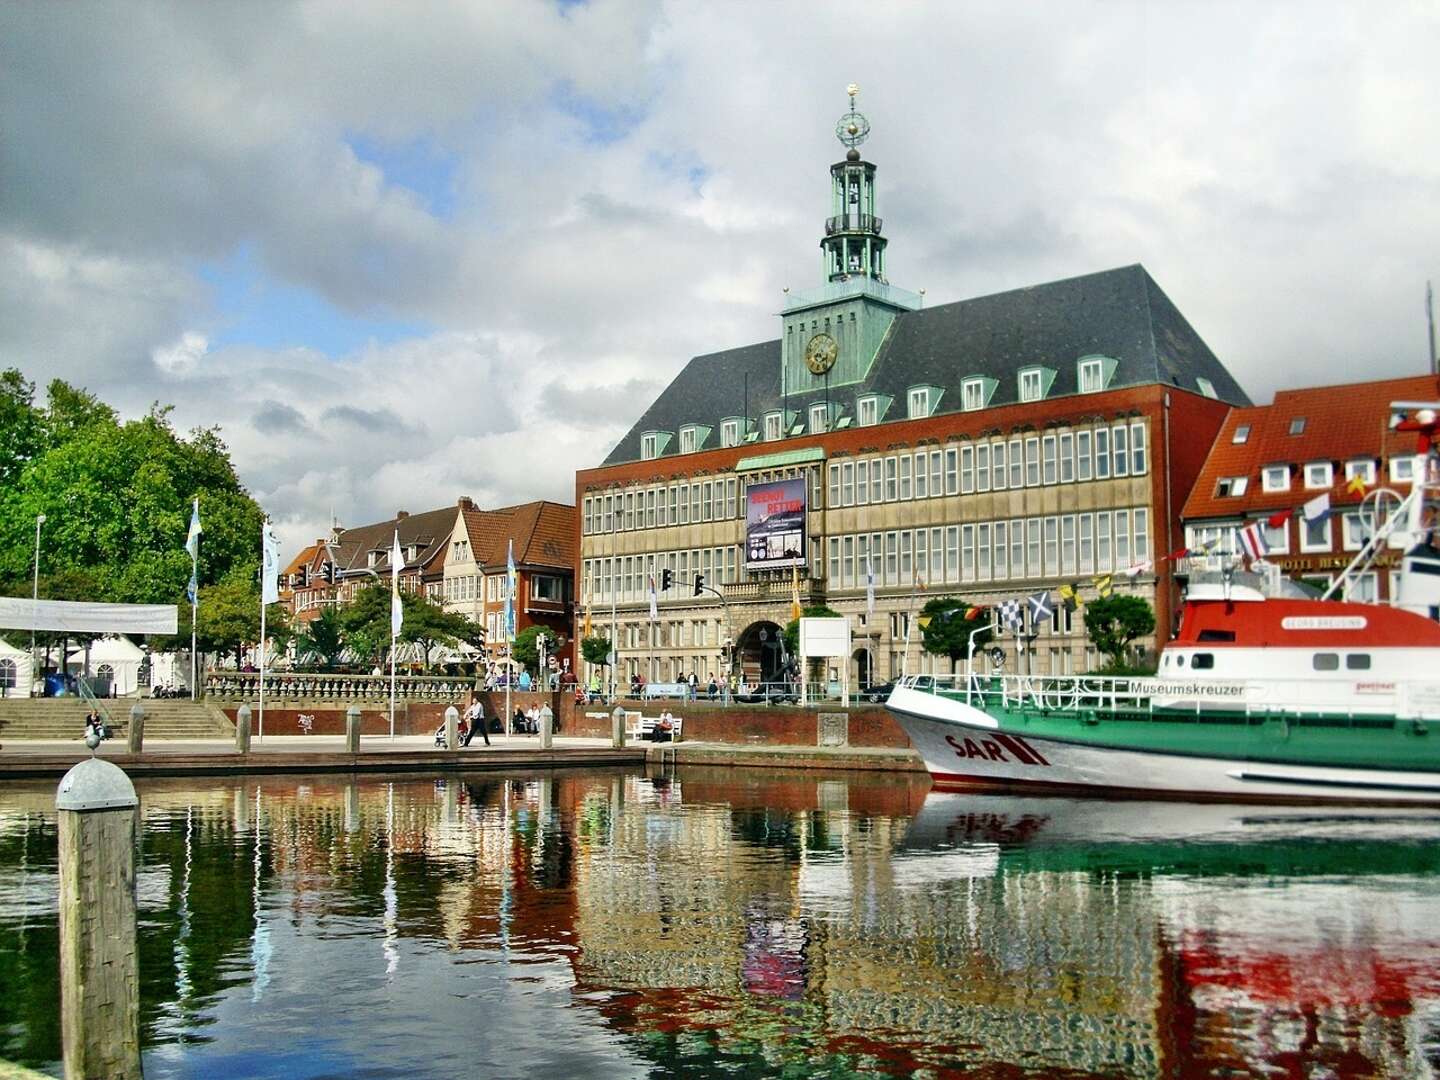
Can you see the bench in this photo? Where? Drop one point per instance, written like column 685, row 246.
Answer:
column 643, row 727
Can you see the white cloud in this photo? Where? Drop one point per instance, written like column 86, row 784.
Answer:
column 181, row 357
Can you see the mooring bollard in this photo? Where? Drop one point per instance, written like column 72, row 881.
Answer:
column 352, row 729
column 97, row 812
column 617, row 727
column 547, row 727
column 135, row 737
column 242, row 729
column 452, row 728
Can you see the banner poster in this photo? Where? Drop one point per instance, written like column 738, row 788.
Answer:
column 775, row 525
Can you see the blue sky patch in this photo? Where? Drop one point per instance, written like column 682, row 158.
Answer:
column 603, row 125
column 417, row 165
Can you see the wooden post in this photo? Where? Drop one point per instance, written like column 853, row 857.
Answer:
column 98, row 813
column 452, row 728
column 617, row 727
column 352, row 729
column 242, row 729
column 547, row 727
column 135, row 737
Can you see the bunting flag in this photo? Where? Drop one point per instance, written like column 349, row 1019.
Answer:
column 654, row 601
column 397, row 609
column 1252, row 539
column 1279, row 518
column 1178, row 553
column 973, row 613
column 1012, row 615
column 1356, row 486
column 1042, row 607
column 1136, row 569
column 1104, row 585
column 1317, row 508
column 192, row 540
column 269, row 565
column 869, row 587
column 1070, row 596
column 795, row 609
column 924, row 620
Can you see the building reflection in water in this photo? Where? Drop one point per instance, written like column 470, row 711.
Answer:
column 722, row 920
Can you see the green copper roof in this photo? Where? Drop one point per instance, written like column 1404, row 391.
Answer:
column 784, row 457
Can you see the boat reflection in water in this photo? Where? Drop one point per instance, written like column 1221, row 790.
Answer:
column 720, row 922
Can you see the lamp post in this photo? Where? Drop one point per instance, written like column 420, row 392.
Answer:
column 35, row 593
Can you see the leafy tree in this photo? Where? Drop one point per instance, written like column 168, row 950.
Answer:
column 596, row 650
column 230, row 620
column 429, row 625
column 945, row 631
column 1113, row 622
column 21, row 433
column 322, row 641
column 526, row 650
column 366, row 622
column 792, row 630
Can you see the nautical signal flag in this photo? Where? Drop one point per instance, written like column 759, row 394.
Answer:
column 1356, row 485
column 1252, row 539
column 1317, row 508
column 972, row 613
column 1104, row 585
column 1279, row 518
column 1042, row 607
column 1012, row 615
column 795, row 609
column 1070, row 597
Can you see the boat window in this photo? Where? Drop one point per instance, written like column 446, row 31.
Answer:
column 1180, row 660
column 1203, row 661
column 1357, row 661
column 1217, row 635
column 1326, row 661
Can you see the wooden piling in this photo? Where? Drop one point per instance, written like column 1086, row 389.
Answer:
column 98, row 824
column 352, row 729
column 135, row 737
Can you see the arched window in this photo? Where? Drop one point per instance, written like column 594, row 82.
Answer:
column 7, row 674
column 105, row 671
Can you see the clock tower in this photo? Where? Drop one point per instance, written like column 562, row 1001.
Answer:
column 832, row 334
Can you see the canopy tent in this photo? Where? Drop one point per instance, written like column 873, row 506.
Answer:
column 114, row 665
column 16, row 673
column 86, row 617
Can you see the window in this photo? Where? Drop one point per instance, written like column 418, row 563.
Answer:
column 1231, row 486
column 549, row 587
column 1206, row 387
column 1032, row 547
column 997, row 456
column 1048, row 458
column 982, row 552
column 773, row 428
column 819, row 417
column 847, row 484
column 922, row 488
column 1203, row 661
column 1402, row 470
column 1067, row 544
column 862, row 483
column 1091, row 376
column 892, row 491
column 1242, row 434
column 1087, row 543
column 647, row 446
column 1118, row 446
column 972, row 394
column 967, row 469
column 967, row 552
column 1297, row 426
column 1325, row 661
column 1363, row 469
column 1141, row 521
column 1067, row 458
column 730, row 433
column 1017, row 464
column 935, row 473
column 1277, row 537
column 687, row 440
column 834, row 499
column 982, row 467
column 867, row 411
column 1102, row 453
column 1315, row 535
column 7, row 674
column 1032, row 462
column 1357, row 661
column 904, row 476
column 1032, row 385
column 919, row 402
column 1275, row 478
column 1052, row 546
column 1083, row 460
column 1137, row 450
column 1353, row 532
column 1319, row 475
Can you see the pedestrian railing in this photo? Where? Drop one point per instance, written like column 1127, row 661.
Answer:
column 303, row 686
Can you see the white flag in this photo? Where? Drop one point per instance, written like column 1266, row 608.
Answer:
column 270, row 565
column 192, row 541
column 869, row 587
column 397, row 609
column 1316, row 508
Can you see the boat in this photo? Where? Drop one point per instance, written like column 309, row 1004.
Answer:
column 1266, row 693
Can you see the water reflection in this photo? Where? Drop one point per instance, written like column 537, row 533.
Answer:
column 758, row 922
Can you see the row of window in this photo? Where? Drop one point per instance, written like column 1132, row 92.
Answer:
column 1311, row 536
column 1062, row 458
column 1317, row 476
column 626, row 579
column 1039, row 547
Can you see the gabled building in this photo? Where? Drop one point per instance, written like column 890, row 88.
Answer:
column 985, row 449
column 1334, row 441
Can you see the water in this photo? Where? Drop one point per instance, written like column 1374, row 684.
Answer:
column 744, row 923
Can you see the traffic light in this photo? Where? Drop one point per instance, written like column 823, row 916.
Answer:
column 699, row 584
column 327, row 572
column 666, row 580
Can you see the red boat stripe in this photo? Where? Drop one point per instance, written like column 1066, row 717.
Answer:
column 1019, row 748
column 1033, row 752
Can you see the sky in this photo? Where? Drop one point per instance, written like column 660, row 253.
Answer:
column 399, row 254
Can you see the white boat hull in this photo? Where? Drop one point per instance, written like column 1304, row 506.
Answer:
column 964, row 747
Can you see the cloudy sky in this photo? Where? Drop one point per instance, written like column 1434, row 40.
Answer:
column 403, row 253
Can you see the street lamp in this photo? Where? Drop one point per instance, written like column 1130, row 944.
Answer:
column 35, row 593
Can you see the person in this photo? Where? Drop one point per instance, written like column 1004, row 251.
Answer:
column 476, row 715
column 517, row 722
column 524, row 680
column 532, row 720
column 95, row 724
column 594, row 686
column 664, row 728
column 694, row 686
column 714, row 687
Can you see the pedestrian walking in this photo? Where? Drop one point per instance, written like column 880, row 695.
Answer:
column 475, row 715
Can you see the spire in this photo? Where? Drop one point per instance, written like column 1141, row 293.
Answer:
column 853, row 245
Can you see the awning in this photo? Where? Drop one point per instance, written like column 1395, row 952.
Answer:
column 85, row 617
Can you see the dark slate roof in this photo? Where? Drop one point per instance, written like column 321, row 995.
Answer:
column 1121, row 314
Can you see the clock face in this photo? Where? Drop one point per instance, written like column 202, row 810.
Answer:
column 820, row 353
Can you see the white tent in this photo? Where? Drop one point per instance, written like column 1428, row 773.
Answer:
column 16, row 671
column 114, row 665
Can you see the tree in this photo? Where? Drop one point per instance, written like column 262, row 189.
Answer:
column 945, row 631
column 596, row 650
column 322, row 641
column 525, row 649
column 792, row 630
column 21, row 433
column 229, row 620
column 428, row 624
column 1113, row 622
column 366, row 623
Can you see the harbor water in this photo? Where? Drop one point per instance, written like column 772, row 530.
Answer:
column 743, row 923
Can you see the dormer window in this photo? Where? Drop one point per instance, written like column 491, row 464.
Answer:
column 1032, row 384
column 867, row 411
column 687, row 440
column 1230, row 486
column 1364, row 469
column 647, row 446
column 1319, row 475
column 972, row 394
column 919, row 402
column 1242, row 434
column 819, row 418
column 1402, row 470
column 1297, row 426
column 1276, row 478
column 1091, row 375
column 730, row 433
column 1206, row 387
column 774, row 426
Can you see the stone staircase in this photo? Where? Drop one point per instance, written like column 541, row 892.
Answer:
column 64, row 718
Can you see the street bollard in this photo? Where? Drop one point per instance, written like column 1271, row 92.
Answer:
column 352, row 729
column 452, row 728
column 617, row 727
column 547, row 727
column 97, row 814
column 242, row 729
column 135, row 737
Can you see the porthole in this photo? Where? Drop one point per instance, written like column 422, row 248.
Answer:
column 1326, row 661
column 1357, row 661
column 1203, row 661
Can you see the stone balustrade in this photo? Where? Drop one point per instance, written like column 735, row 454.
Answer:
column 224, row 685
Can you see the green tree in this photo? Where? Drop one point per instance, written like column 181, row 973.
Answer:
column 596, row 650
column 21, row 432
column 230, row 621
column 792, row 629
column 429, row 625
column 322, row 641
column 366, row 623
column 1113, row 622
column 945, row 631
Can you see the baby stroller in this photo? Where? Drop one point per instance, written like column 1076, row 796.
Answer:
column 440, row 734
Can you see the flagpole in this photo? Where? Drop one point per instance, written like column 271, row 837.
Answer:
column 261, row 733
column 614, row 648
column 194, row 609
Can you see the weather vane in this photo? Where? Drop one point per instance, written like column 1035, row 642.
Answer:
column 853, row 128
